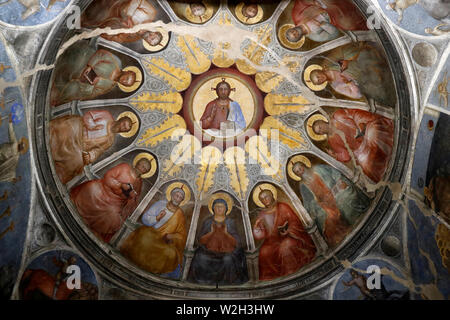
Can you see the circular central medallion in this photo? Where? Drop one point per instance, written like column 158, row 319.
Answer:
column 222, row 105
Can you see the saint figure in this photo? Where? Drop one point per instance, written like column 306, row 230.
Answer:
column 77, row 141
column 104, row 204
column 331, row 199
column 322, row 20
column 198, row 12
column 223, row 113
column 123, row 14
column 220, row 257
column 84, row 73
column 158, row 245
column 250, row 10
column 249, row 13
column 287, row 246
column 357, row 71
column 10, row 153
column 370, row 138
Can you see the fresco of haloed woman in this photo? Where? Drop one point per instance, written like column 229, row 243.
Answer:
column 220, row 257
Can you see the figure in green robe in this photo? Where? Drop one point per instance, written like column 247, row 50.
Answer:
column 84, row 73
column 331, row 199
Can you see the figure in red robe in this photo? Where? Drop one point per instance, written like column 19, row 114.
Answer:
column 287, row 246
column 343, row 13
column 369, row 136
column 322, row 20
column 104, row 204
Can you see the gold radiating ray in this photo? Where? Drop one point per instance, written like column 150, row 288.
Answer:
column 197, row 61
column 172, row 128
column 183, row 153
column 235, row 161
column 258, row 151
column 268, row 81
column 211, row 158
column 220, row 58
column 170, row 102
column 273, row 129
column 177, row 78
column 255, row 52
column 277, row 104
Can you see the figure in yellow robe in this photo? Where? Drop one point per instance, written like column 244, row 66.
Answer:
column 158, row 245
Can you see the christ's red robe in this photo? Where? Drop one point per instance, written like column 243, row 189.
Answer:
column 221, row 116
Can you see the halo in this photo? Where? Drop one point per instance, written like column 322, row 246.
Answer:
column 181, row 185
column 220, row 195
column 244, row 19
column 310, row 130
column 136, row 84
column 259, row 189
column 297, row 158
column 149, row 157
column 25, row 143
column 195, row 19
column 161, row 45
column 224, row 79
column 284, row 40
column 134, row 126
column 307, row 78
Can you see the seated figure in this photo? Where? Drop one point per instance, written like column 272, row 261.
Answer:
column 368, row 137
column 332, row 200
column 286, row 246
column 158, row 245
column 323, row 20
column 84, row 73
column 104, row 204
column 220, row 257
column 121, row 14
column 76, row 141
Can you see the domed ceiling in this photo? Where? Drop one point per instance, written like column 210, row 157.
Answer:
column 170, row 149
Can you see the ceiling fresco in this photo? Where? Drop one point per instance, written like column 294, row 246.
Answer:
column 227, row 149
